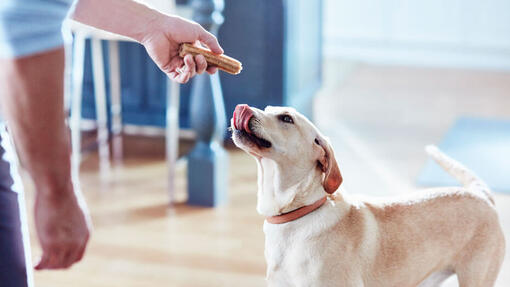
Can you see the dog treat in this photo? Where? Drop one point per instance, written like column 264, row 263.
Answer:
column 223, row 62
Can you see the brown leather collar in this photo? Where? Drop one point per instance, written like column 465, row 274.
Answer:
column 296, row 213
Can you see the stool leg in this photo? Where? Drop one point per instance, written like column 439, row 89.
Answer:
column 76, row 98
column 116, row 103
column 100, row 99
column 68, row 75
column 172, row 134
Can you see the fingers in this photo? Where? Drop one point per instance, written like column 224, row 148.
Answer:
column 74, row 255
column 190, row 67
column 68, row 258
column 188, row 71
column 183, row 74
column 201, row 64
column 43, row 262
column 212, row 69
column 60, row 260
column 210, row 40
column 51, row 259
column 81, row 250
column 80, row 253
column 181, row 77
column 63, row 256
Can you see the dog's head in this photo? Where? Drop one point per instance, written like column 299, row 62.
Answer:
column 286, row 137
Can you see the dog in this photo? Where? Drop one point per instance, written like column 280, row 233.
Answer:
column 315, row 235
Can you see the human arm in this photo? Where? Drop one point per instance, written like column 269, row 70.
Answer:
column 160, row 34
column 32, row 103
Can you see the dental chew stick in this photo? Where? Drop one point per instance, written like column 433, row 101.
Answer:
column 223, row 62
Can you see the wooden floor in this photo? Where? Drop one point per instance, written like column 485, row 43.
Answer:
column 139, row 241
column 379, row 118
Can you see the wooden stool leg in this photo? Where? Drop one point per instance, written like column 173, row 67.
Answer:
column 172, row 134
column 76, row 98
column 116, row 103
column 100, row 99
column 68, row 68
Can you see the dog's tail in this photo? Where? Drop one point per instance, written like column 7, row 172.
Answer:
column 465, row 176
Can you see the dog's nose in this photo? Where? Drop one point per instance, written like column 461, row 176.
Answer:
column 242, row 116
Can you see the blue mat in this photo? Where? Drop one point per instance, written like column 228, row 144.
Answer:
column 483, row 145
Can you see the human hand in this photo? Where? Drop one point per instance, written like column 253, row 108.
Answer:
column 163, row 40
column 62, row 227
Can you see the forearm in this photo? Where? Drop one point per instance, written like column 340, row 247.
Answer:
column 32, row 103
column 123, row 17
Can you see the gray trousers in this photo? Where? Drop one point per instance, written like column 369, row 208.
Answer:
column 15, row 259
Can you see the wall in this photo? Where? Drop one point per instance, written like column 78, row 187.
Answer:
column 453, row 33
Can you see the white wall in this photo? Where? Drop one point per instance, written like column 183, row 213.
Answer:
column 457, row 33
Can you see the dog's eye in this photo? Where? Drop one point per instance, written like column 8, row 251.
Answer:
column 286, row 119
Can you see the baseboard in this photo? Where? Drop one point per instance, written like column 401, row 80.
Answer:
column 150, row 131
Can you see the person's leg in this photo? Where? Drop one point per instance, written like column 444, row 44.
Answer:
column 15, row 269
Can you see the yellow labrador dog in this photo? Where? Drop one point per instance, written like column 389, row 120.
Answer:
column 340, row 241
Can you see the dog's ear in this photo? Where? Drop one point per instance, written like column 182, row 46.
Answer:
column 327, row 163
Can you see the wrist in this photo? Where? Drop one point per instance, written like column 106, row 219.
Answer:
column 53, row 184
column 155, row 25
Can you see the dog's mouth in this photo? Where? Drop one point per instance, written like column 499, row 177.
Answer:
column 260, row 142
column 243, row 123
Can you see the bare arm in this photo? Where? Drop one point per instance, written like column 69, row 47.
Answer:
column 32, row 103
column 160, row 34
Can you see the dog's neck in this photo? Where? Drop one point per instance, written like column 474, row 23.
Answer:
column 296, row 213
column 283, row 187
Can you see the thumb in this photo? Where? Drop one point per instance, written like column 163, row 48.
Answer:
column 210, row 40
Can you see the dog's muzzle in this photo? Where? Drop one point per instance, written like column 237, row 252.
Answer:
column 243, row 124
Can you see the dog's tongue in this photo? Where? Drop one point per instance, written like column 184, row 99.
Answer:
column 242, row 116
